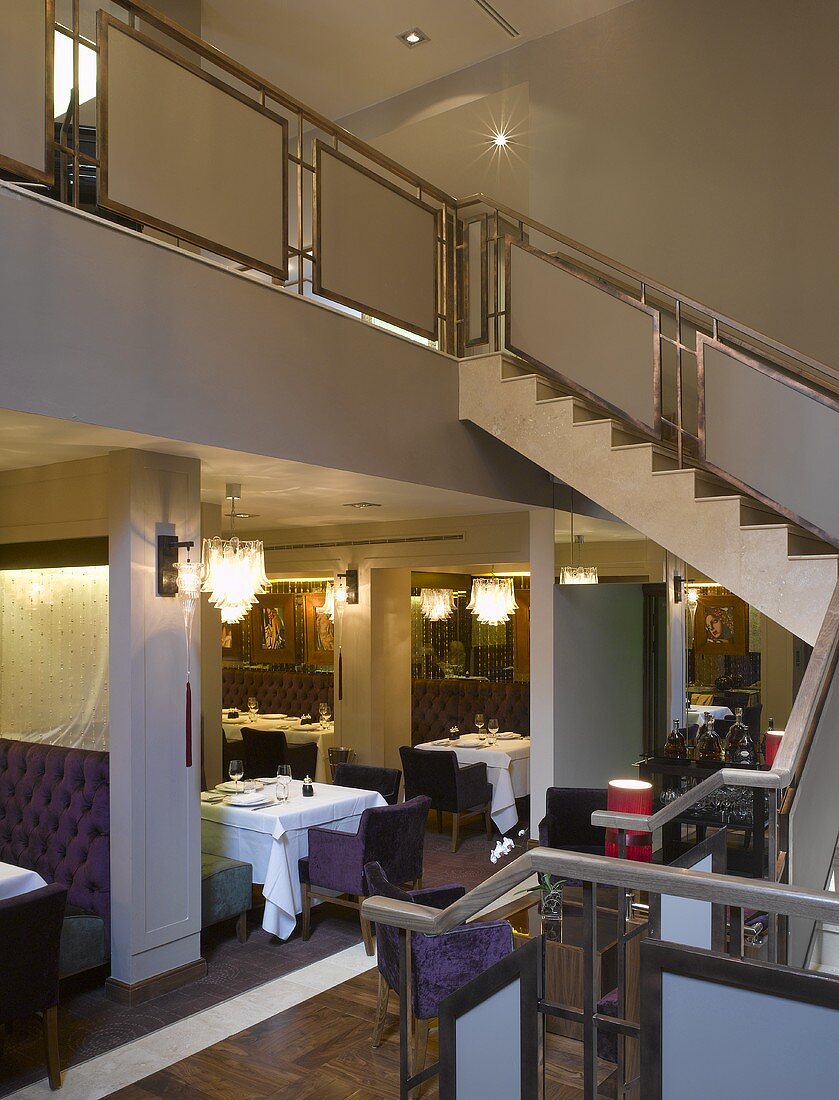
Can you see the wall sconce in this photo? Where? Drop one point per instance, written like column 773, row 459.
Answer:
column 678, row 587
column 167, row 563
column 348, row 591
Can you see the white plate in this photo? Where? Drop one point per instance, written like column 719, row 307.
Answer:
column 238, row 788
column 229, row 801
column 273, row 716
column 509, row 736
column 469, row 742
column 269, row 781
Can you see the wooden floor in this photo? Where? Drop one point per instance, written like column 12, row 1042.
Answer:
column 321, row 1049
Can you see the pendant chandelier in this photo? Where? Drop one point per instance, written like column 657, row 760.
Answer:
column 233, row 570
column 576, row 573
column 492, row 600
column 436, row 604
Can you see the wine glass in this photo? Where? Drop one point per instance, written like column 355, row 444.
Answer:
column 492, row 729
column 253, row 706
column 236, row 771
column 283, row 782
column 323, row 712
column 479, row 723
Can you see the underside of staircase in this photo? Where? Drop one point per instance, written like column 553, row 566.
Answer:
column 782, row 570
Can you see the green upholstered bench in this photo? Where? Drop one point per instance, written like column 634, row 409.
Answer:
column 226, row 886
column 82, row 942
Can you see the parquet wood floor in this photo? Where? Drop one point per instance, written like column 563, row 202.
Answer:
column 320, row 1050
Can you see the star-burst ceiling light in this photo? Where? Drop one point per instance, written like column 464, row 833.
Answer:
column 436, row 604
column 492, row 600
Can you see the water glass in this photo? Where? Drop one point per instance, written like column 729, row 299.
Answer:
column 253, row 706
column 236, row 770
column 283, row 782
column 492, row 730
column 323, row 713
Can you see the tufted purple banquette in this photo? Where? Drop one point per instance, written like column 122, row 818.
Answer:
column 277, row 691
column 437, row 705
column 55, row 819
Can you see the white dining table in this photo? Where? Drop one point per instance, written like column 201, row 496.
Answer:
column 274, row 837
column 508, row 772
column 695, row 714
column 295, row 734
column 18, row 880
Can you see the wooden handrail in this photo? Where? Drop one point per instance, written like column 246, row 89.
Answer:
column 774, row 897
column 795, row 744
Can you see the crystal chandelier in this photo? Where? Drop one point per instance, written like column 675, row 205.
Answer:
column 436, row 604
column 492, row 600
column 233, row 571
column 576, row 573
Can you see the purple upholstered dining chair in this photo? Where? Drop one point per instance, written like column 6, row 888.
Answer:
column 393, row 836
column 30, row 943
column 439, row 964
column 461, row 791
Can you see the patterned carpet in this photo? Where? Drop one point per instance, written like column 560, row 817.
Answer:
column 91, row 1025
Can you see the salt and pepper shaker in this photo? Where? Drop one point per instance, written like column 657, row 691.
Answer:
column 308, row 789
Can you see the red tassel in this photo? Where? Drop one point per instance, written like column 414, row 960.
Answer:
column 340, row 676
column 188, row 724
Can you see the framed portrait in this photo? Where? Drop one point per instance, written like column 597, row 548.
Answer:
column 320, row 630
column 272, row 629
column 721, row 626
column 232, row 641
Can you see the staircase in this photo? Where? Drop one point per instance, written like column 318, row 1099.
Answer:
column 785, row 572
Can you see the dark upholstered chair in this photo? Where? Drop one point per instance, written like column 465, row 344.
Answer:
column 463, row 792
column 55, row 819
column 384, row 780
column 751, row 716
column 437, row 705
column 30, row 942
column 226, row 886
column 567, row 821
column 278, row 691
column 439, row 964
column 393, row 836
column 264, row 750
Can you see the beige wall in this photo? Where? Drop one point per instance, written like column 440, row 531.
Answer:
column 686, row 138
column 65, row 500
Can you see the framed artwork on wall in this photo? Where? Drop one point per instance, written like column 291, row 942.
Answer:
column 232, row 641
column 721, row 626
column 319, row 630
column 272, row 629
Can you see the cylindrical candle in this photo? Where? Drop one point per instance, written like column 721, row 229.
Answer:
column 630, row 796
column 773, row 743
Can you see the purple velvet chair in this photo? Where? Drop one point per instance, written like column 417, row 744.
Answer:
column 30, row 942
column 363, row 777
column 439, row 964
column 393, row 836
column 55, row 819
column 263, row 750
column 461, row 791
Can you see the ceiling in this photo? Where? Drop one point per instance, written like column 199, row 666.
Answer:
column 337, row 56
column 281, row 493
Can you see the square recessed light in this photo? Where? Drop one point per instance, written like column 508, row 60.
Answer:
column 413, row 37
column 362, row 504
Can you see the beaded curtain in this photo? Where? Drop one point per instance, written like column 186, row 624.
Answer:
column 54, row 655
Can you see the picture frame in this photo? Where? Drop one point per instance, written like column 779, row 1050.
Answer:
column 319, row 630
column 273, row 638
column 721, row 626
column 232, row 641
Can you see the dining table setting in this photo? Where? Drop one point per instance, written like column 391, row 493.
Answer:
column 507, row 759
column 298, row 730
column 265, row 823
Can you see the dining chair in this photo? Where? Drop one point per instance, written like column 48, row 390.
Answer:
column 440, row 965
column 262, row 751
column 463, row 792
column 30, row 943
column 393, row 836
column 567, row 821
column 384, row 780
column 302, row 759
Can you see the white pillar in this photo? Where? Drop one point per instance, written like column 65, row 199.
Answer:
column 542, row 700
column 390, row 668
column 210, row 632
column 155, row 819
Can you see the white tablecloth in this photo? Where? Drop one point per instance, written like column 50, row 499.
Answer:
column 273, row 838
column 295, row 734
column 508, row 770
column 695, row 714
column 17, row 880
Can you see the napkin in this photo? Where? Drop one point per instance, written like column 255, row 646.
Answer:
column 508, row 735
column 470, row 742
column 210, row 796
column 246, row 798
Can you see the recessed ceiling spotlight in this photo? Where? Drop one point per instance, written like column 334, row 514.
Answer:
column 245, row 515
column 414, row 37
column 362, row 504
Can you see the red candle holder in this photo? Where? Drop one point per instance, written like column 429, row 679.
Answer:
column 630, row 796
column 773, row 743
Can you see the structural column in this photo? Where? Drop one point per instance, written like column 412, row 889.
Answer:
column 155, row 819
column 542, row 699
column 210, row 635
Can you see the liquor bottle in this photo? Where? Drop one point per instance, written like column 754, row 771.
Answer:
column 675, row 746
column 708, row 743
column 741, row 747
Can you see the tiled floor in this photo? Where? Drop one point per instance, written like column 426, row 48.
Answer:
column 92, row 1026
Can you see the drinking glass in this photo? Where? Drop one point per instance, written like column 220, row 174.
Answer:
column 492, row 729
column 479, row 722
column 283, row 782
column 253, row 706
column 236, row 771
column 323, row 712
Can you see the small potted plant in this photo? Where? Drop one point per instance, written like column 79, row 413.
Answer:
column 550, row 888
